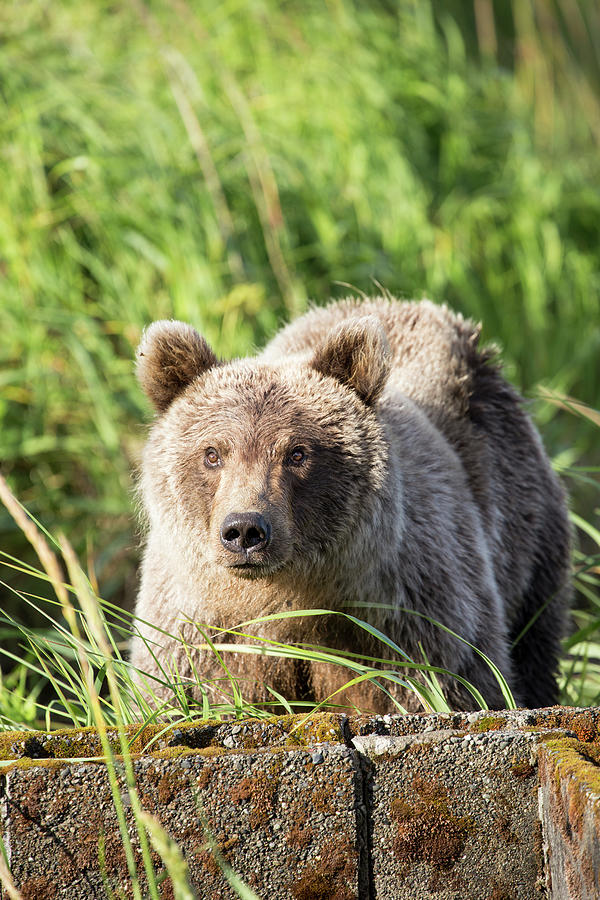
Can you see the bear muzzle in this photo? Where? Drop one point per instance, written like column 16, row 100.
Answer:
column 245, row 535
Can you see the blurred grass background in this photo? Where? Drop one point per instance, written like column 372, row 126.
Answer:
column 225, row 163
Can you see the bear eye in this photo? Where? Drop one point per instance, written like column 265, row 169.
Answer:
column 297, row 456
column 211, row 457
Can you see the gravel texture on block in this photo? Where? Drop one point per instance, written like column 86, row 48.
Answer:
column 584, row 724
column 289, row 823
column 454, row 815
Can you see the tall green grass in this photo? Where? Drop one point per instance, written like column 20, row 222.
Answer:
column 80, row 669
column 224, row 163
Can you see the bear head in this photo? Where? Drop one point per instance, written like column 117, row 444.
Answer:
column 253, row 466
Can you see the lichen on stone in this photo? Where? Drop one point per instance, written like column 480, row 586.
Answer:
column 426, row 828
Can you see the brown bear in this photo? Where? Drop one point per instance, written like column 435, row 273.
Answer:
column 372, row 460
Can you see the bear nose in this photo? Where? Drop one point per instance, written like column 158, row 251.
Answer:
column 245, row 532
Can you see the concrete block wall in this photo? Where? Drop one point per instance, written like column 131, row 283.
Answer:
column 501, row 805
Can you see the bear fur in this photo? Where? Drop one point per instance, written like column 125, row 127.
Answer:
column 371, row 460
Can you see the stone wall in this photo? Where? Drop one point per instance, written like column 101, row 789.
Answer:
column 502, row 806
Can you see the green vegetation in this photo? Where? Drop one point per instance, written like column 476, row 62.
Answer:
column 225, row 163
column 81, row 661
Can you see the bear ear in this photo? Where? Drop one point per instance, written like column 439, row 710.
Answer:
column 170, row 355
column 357, row 354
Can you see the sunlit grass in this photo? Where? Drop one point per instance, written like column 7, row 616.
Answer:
column 223, row 164
column 81, row 657
column 68, row 658
column 580, row 666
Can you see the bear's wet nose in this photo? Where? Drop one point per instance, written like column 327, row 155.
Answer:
column 245, row 532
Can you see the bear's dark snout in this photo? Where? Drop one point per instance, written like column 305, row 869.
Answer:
column 245, row 532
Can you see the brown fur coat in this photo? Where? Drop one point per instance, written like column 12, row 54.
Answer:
column 371, row 460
